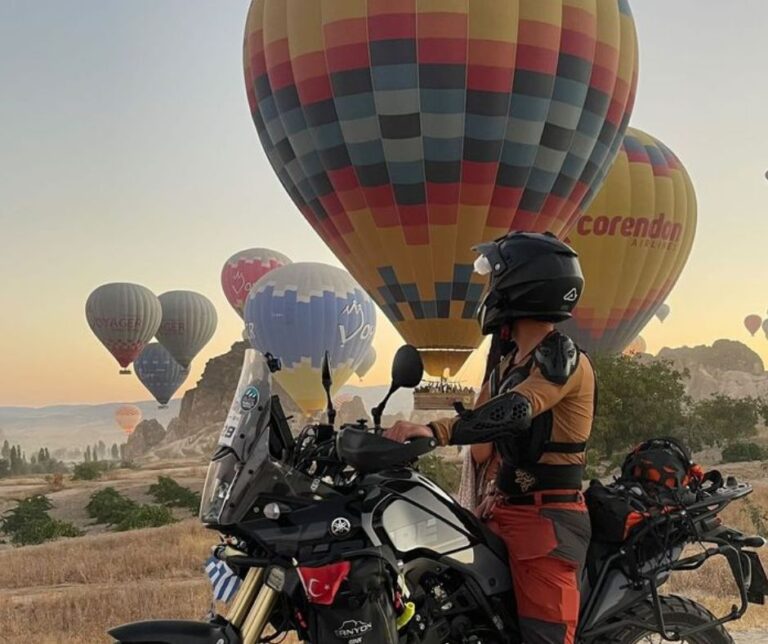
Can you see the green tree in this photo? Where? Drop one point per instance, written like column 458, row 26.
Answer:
column 87, row 471
column 109, row 506
column 636, row 401
column 87, row 456
column 5, row 468
column 720, row 420
column 115, row 452
column 145, row 516
column 6, row 450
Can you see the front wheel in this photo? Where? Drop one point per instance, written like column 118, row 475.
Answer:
column 679, row 614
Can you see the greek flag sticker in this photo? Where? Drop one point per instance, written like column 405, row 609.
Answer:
column 223, row 579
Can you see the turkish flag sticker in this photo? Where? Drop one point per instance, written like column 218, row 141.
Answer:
column 322, row 584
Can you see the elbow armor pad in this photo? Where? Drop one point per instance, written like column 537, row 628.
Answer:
column 501, row 417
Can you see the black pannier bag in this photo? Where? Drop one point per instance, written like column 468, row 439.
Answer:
column 362, row 611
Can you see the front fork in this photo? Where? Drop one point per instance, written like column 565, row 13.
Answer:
column 255, row 601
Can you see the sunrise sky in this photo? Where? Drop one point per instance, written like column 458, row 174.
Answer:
column 127, row 153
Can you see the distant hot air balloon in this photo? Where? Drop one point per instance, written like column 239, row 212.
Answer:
column 369, row 359
column 159, row 372
column 301, row 310
column 244, row 269
column 189, row 322
column 407, row 132
column 765, row 328
column 753, row 323
column 124, row 318
column 662, row 313
column 633, row 243
column 127, row 417
column 637, row 346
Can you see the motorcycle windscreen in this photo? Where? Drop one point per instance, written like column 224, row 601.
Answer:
column 246, row 422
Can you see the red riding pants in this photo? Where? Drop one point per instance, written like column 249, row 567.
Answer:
column 547, row 544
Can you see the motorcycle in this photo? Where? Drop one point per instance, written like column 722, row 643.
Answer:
column 338, row 538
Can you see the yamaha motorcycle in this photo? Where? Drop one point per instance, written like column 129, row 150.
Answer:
column 338, row 538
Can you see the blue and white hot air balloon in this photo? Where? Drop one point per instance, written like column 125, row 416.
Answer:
column 300, row 311
column 159, row 372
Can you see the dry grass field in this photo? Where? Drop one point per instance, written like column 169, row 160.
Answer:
column 71, row 591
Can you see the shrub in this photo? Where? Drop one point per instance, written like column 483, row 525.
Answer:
column 446, row 474
column 87, row 471
column 29, row 523
column 145, row 516
column 109, row 506
column 170, row 494
column 740, row 452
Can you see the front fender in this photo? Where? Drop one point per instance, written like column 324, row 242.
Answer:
column 166, row 631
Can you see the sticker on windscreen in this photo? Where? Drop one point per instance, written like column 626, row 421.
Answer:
column 250, row 398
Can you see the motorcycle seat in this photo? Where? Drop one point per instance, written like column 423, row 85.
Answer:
column 492, row 540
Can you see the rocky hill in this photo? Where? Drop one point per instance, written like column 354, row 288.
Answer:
column 727, row 367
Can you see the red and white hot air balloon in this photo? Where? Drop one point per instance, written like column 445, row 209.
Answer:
column 753, row 323
column 244, row 269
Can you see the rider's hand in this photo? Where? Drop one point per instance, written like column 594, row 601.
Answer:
column 403, row 430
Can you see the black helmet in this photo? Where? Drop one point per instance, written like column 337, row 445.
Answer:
column 533, row 275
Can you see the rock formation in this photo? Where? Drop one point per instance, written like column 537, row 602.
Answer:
column 147, row 435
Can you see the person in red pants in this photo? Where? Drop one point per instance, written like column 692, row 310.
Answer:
column 537, row 408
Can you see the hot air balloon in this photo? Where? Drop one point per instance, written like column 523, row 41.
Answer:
column 300, row 311
column 124, row 317
column 367, row 363
column 765, row 328
column 662, row 313
column 189, row 322
column 753, row 323
column 406, row 132
column 244, row 269
column 159, row 372
column 127, row 417
column 636, row 347
column 633, row 243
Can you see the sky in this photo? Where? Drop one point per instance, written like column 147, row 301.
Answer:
column 127, row 153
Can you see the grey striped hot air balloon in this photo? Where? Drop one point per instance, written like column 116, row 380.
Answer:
column 124, row 317
column 189, row 322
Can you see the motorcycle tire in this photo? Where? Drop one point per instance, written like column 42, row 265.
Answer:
column 679, row 613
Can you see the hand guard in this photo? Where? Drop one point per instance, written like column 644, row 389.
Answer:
column 501, row 417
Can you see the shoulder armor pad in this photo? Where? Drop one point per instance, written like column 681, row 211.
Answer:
column 557, row 358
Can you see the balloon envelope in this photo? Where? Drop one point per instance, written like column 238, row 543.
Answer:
column 127, row 417
column 633, row 244
column 244, row 269
column 124, row 317
column 637, row 346
column 753, row 323
column 159, row 372
column 367, row 363
column 189, row 322
column 765, row 328
column 663, row 312
column 301, row 310
column 406, row 132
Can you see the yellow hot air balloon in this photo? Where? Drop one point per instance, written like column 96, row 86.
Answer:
column 633, row 243
column 408, row 131
column 127, row 417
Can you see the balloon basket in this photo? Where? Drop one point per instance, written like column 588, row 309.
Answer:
column 162, row 407
column 125, row 372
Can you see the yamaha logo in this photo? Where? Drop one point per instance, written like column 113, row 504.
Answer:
column 571, row 296
column 340, row 527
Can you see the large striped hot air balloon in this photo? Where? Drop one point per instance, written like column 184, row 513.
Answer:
column 367, row 363
column 300, row 311
column 159, row 372
column 127, row 417
column 244, row 269
column 633, row 244
column 189, row 322
column 124, row 317
column 407, row 131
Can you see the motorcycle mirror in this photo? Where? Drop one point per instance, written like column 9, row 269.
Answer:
column 407, row 371
column 327, row 384
column 407, row 367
